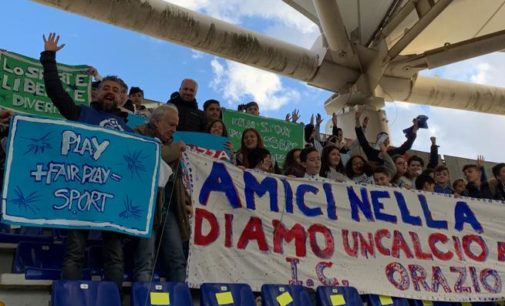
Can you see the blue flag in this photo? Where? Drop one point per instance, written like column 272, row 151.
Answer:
column 208, row 144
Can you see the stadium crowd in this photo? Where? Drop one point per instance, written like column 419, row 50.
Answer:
column 322, row 158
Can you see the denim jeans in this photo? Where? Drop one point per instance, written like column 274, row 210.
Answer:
column 143, row 260
column 172, row 254
column 73, row 263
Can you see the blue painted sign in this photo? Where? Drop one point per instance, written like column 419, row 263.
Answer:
column 208, row 144
column 136, row 120
column 71, row 175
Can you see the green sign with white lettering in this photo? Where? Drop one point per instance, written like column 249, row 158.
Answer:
column 279, row 136
column 22, row 86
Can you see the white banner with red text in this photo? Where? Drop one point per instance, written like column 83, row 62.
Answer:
column 253, row 227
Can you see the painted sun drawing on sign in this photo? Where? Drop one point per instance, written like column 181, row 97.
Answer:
column 25, row 201
column 39, row 145
column 130, row 211
column 134, row 163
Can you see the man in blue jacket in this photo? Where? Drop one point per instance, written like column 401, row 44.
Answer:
column 103, row 112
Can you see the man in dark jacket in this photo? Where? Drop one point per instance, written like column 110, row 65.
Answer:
column 103, row 112
column 190, row 117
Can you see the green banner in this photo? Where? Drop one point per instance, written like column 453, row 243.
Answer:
column 22, row 86
column 279, row 136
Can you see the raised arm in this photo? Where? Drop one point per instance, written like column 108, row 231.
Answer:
column 370, row 152
column 433, row 163
column 54, row 89
column 408, row 143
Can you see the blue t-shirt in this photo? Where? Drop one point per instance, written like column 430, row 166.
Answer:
column 441, row 189
column 103, row 119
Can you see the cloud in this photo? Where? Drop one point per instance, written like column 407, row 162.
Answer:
column 279, row 19
column 239, row 83
column 195, row 54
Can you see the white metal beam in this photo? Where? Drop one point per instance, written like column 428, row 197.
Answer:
column 333, row 26
column 449, row 54
column 446, row 93
column 173, row 23
column 418, row 27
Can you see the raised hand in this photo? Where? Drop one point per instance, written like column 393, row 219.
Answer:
column 5, row 115
column 415, row 125
column 365, row 122
column 383, row 151
column 229, row 146
column 480, row 161
column 433, row 140
column 51, row 43
column 357, row 115
column 180, row 146
column 288, row 117
column 334, row 119
column 312, row 119
column 295, row 115
column 319, row 119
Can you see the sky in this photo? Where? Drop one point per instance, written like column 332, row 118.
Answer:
column 158, row 67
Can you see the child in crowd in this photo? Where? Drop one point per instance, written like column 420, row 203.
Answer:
column 382, row 177
column 331, row 164
column 458, row 186
column 499, row 174
column 415, row 167
column 251, row 108
column 476, row 187
column 260, row 159
column 359, row 170
column 311, row 162
column 442, row 180
column 217, row 127
column 292, row 165
column 251, row 139
column 425, row 183
column 401, row 168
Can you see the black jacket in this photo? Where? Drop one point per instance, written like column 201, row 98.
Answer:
column 191, row 119
column 482, row 192
column 373, row 154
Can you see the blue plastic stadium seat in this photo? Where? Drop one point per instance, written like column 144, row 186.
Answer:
column 214, row 294
column 344, row 296
column 292, row 295
column 38, row 260
column 85, row 293
column 433, row 303
column 379, row 300
column 162, row 293
column 8, row 235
